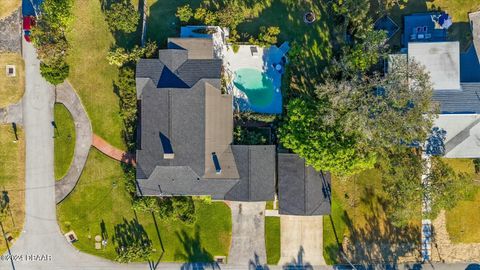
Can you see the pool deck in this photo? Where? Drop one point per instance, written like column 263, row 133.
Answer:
column 264, row 60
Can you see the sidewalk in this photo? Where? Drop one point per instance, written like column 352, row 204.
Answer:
column 117, row 154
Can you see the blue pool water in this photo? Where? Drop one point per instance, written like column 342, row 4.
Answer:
column 261, row 93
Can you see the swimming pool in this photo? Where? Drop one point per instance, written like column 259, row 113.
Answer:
column 259, row 90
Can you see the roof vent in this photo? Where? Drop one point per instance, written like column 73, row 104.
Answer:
column 218, row 169
column 167, row 147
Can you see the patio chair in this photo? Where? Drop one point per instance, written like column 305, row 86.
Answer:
column 254, row 51
column 285, row 47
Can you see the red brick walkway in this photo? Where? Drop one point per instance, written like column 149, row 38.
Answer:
column 112, row 152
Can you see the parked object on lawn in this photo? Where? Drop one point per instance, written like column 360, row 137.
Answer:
column 309, row 17
column 28, row 23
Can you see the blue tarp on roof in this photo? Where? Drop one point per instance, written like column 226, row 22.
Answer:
column 469, row 66
column 29, row 7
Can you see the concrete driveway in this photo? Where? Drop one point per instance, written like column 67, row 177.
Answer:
column 301, row 240
column 41, row 245
column 248, row 234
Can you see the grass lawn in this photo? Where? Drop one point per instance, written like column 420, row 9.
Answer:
column 161, row 21
column 8, row 6
column 288, row 15
column 358, row 205
column 90, row 74
column 333, row 225
column 12, row 180
column 100, row 201
column 272, row 239
column 460, row 228
column 11, row 88
column 64, row 140
column 458, row 9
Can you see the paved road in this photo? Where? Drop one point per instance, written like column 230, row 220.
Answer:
column 41, row 234
column 248, row 233
column 301, row 239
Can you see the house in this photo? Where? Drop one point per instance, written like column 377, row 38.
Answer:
column 455, row 77
column 185, row 134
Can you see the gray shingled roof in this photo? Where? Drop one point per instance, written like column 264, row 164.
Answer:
column 465, row 101
column 172, row 92
column 256, row 165
column 185, row 75
column 301, row 189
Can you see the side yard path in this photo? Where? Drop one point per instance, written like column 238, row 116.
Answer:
column 83, row 130
column 109, row 150
column 446, row 251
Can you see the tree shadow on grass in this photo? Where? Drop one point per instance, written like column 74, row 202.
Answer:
column 378, row 240
column 193, row 251
column 130, row 233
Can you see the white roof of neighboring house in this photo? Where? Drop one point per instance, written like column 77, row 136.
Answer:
column 441, row 60
column 463, row 134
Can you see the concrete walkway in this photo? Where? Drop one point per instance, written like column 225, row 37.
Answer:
column 248, row 234
column 41, row 234
column 301, row 240
column 109, row 150
column 83, row 130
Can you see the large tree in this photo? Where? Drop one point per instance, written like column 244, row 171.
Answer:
column 350, row 122
column 322, row 142
column 122, row 16
column 48, row 36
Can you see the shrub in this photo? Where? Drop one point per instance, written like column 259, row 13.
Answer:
column 180, row 208
column 125, row 89
column 55, row 74
column 235, row 47
column 119, row 56
column 184, row 13
column 146, row 204
column 122, row 16
column 134, row 252
column 245, row 136
column 48, row 36
column 268, row 36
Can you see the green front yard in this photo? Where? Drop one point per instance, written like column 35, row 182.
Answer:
column 12, row 181
column 463, row 219
column 90, row 74
column 100, row 205
column 11, row 88
column 64, row 143
column 358, row 213
column 272, row 239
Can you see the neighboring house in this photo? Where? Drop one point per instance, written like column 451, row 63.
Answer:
column 455, row 77
column 186, row 133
